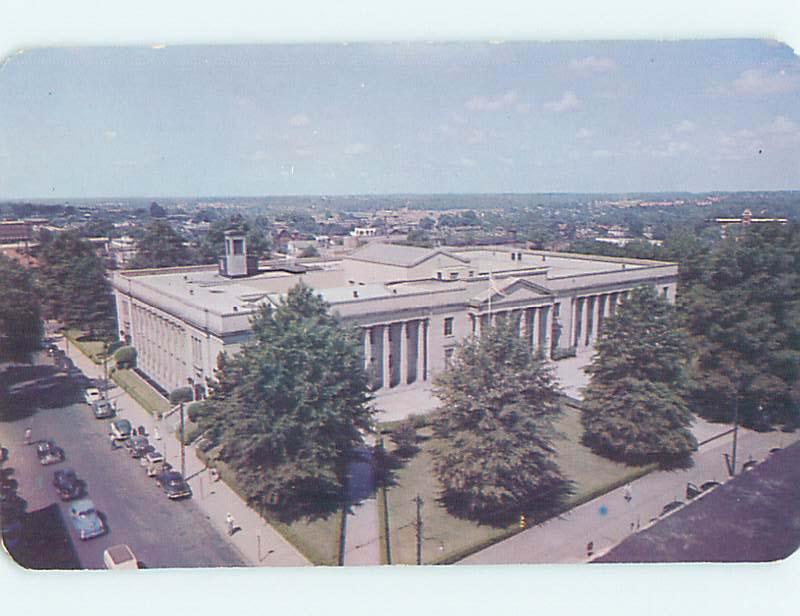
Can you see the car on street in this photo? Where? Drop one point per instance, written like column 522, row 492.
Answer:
column 173, row 484
column 102, row 409
column 749, row 465
column 670, row 507
column 49, row 453
column 91, row 395
column 138, row 446
column 67, row 484
column 154, row 461
column 120, row 557
column 85, row 519
column 120, row 429
column 709, row 485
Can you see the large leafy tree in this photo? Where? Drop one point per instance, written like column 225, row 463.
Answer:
column 73, row 285
column 634, row 406
column 20, row 322
column 289, row 409
column 496, row 428
column 161, row 246
column 744, row 314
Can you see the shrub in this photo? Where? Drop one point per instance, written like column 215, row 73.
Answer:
column 182, row 394
column 125, row 357
column 559, row 353
column 405, row 437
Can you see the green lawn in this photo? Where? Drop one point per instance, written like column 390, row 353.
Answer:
column 317, row 540
column 446, row 537
column 152, row 401
column 93, row 349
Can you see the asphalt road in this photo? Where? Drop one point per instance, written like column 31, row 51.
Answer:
column 162, row 533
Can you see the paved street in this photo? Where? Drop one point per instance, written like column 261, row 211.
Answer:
column 161, row 532
column 608, row 519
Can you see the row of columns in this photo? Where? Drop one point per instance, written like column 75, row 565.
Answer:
column 160, row 346
column 588, row 314
column 396, row 353
column 535, row 325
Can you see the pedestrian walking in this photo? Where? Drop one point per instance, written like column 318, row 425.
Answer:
column 28, row 436
column 627, row 492
column 230, row 524
column 590, row 549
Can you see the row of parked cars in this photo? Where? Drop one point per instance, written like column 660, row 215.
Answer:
column 136, row 443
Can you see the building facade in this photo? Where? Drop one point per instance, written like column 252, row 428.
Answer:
column 412, row 305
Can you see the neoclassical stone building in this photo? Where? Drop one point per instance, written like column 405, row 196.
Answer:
column 412, row 305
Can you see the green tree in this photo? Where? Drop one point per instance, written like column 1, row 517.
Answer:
column 161, row 246
column 633, row 408
column 20, row 322
column 73, row 286
column 499, row 403
column 290, row 408
column 743, row 311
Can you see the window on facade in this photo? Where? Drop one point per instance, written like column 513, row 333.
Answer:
column 448, row 326
column 238, row 247
column 666, row 292
column 448, row 357
column 439, row 275
column 556, row 310
column 453, row 275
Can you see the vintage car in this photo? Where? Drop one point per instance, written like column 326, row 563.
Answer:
column 173, row 484
column 154, row 461
column 138, row 446
column 120, row 429
column 92, row 395
column 85, row 519
column 67, row 484
column 120, row 557
column 102, row 409
column 49, row 453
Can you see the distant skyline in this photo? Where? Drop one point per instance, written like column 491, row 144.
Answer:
column 402, row 118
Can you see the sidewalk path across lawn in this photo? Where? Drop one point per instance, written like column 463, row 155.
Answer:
column 214, row 498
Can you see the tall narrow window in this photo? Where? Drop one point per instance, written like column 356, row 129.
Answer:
column 448, row 326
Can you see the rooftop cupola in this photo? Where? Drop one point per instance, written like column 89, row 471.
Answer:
column 236, row 263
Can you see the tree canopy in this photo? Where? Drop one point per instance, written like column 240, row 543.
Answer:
column 73, row 286
column 633, row 407
column 496, row 426
column 288, row 410
column 213, row 244
column 161, row 246
column 20, row 321
column 743, row 311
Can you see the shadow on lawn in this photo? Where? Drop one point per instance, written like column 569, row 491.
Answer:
column 23, row 388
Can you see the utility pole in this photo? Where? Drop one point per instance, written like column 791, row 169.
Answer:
column 418, row 527
column 735, row 432
column 105, row 369
column 183, row 452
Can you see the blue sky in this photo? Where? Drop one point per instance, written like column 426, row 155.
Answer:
column 404, row 118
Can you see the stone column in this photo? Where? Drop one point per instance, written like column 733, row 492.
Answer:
column 535, row 329
column 596, row 318
column 523, row 324
column 545, row 329
column 367, row 349
column 404, row 353
column 584, row 322
column 387, row 348
column 607, row 306
column 422, row 352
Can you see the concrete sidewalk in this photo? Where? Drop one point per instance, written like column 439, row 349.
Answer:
column 258, row 543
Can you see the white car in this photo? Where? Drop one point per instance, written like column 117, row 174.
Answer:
column 120, row 557
column 91, row 395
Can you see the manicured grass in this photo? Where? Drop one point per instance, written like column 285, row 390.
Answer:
column 317, row 540
column 141, row 391
column 447, row 538
column 93, row 349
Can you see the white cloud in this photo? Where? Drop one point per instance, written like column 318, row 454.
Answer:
column 593, row 64
column 583, row 133
column 755, row 82
column 467, row 162
column 783, row 125
column 523, row 107
column 781, row 134
column 602, row 153
column 299, row 120
column 567, row 102
column 672, row 149
column 110, row 134
column 304, row 152
column 354, row 149
column 685, row 126
column 492, row 103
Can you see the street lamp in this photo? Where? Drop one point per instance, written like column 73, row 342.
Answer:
column 735, row 432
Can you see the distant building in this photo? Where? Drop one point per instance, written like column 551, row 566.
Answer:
column 15, row 231
column 122, row 251
column 412, row 305
column 364, row 232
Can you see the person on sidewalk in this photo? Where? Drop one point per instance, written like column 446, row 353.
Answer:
column 28, row 436
column 628, row 493
column 230, row 524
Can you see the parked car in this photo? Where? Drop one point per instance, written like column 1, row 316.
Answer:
column 92, row 395
column 749, row 465
column 87, row 523
column 138, row 446
column 67, row 484
column 49, row 453
column 710, row 485
column 669, row 507
column 102, row 409
column 120, row 429
column 173, row 484
column 154, row 461
column 120, row 557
